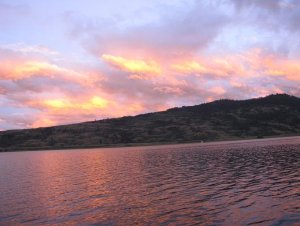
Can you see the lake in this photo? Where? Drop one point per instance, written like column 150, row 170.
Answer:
column 224, row 183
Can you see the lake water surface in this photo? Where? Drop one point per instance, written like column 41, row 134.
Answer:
column 225, row 183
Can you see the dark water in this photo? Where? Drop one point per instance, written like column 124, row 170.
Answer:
column 247, row 183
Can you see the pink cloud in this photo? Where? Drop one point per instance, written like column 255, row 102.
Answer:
column 60, row 95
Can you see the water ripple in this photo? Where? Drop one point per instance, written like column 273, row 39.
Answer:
column 243, row 183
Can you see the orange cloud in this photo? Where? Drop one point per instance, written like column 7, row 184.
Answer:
column 253, row 63
column 94, row 104
column 64, row 111
column 190, row 67
column 134, row 66
column 215, row 66
column 30, row 68
column 282, row 67
column 43, row 122
column 271, row 65
column 70, row 110
column 56, row 103
column 16, row 70
column 91, row 104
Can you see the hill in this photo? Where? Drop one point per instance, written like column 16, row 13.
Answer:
column 274, row 115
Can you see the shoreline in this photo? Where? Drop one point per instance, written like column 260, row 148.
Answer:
column 159, row 144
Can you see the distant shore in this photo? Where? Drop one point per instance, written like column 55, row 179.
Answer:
column 136, row 145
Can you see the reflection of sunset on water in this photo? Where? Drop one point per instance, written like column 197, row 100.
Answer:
column 235, row 183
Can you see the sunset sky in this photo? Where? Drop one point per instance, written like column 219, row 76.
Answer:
column 69, row 61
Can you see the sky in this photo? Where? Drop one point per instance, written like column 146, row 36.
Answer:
column 71, row 61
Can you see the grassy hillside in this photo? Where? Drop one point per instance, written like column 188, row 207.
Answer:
column 274, row 115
